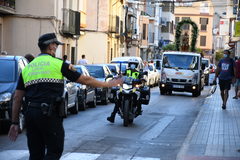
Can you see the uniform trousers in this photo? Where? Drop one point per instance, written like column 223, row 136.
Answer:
column 45, row 135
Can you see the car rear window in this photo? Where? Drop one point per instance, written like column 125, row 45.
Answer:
column 8, row 71
column 96, row 71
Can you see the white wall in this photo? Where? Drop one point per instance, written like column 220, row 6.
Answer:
column 94, row 46
column 21, row 34
column 34, row 7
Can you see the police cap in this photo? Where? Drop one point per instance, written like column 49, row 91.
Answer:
column 47, row 39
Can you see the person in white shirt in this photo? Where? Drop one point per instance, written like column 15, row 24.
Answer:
column 82, row 61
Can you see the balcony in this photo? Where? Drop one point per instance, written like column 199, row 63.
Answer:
column 71, row 22
column 114, row 24
column 7, row 6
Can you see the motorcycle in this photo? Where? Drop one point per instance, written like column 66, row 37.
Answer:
column 130, row 96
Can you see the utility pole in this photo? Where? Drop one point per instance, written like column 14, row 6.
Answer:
column 126, row 30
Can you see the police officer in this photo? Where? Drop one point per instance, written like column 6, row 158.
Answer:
column 42, row 83
column 135, row 74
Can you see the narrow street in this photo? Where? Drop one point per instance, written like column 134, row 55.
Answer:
column 158, row 134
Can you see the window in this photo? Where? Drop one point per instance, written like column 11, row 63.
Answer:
column 166, row 7
column 203, row 40
column 185, row 26
column 166, row 29
column 144, row 31
column 121, row 27
column 204, row 23
column 171, row 27
column 177, row 19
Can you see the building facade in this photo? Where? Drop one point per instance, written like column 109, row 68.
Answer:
column 202, row 14
column 22, row 27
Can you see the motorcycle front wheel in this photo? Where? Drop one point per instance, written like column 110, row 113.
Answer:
column 126, row 112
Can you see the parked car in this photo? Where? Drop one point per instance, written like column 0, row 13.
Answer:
column 70, row 96
column 11, row 67
column 114, row 69
column 206, row 69
column 213, row 68
column 102, row 73
column 153, row 74
column 86, row 94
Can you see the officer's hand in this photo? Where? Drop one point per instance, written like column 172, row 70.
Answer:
column 71, row 67
column 115, row 82
column 13, row 132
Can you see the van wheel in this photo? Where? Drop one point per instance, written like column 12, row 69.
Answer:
column 93, row 104
column 162, row 92
column 82, row 103
column 105, row 101
column 74, row 110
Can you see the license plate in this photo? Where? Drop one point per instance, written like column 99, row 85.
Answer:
column 178, row 86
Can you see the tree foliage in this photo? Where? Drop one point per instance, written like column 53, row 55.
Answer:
column 170, row 47
column 219, row 55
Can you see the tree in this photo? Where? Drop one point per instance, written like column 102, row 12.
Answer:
column 170, row 47
column 219, row 55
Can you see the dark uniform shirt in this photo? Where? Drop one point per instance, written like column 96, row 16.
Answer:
column 46, row 92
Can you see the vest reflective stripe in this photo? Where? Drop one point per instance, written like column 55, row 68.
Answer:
column 134, row 75
column 43, row 69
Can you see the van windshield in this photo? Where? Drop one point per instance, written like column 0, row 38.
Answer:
column 8, row 74
column 180, row 61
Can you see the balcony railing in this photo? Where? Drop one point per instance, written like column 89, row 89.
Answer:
column 8, row 3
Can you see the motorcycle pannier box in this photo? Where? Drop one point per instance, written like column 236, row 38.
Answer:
column 145, row 95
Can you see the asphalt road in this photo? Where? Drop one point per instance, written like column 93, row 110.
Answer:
column 158, row 134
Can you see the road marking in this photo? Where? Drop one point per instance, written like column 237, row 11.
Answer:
column 144, row 158
column 13, row 154
column 80, row 156
column 24, row 154
column 158, row 128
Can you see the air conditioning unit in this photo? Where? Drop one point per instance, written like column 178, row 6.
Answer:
column 112, row 24
column 71, row 22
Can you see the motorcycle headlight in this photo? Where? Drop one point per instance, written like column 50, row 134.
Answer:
column 137, row 85
column 195, row 78
column 206, row 72
column 126, row 86
column 5, row 97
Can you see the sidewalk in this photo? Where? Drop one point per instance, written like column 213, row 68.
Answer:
column 215, row 135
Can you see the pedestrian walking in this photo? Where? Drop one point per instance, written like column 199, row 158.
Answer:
column 226, row 73
column 83, row 61
column 65, row 59
column 237, row 84
column 42, row 85
column 29, row 57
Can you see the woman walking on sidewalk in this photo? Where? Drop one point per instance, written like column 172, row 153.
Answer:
column 226, row 73
column 237, row 84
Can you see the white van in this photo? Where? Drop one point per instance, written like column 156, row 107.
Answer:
column 125, row 60
column 181, row 71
